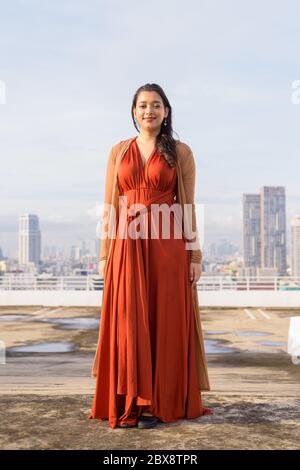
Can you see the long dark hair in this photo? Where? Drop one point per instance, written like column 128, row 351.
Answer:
column 165, row 142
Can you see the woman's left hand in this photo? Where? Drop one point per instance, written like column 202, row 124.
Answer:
column 195, row 273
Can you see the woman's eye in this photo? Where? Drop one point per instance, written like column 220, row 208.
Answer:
column 156, row 106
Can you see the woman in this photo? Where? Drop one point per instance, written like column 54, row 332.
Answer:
column 150, row 361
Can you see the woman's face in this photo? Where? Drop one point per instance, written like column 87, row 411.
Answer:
column 150, row 111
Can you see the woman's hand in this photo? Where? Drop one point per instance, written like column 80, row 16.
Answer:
column 102, row 268
column 195, row 273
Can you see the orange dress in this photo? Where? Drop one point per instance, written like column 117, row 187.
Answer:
column 147, row 343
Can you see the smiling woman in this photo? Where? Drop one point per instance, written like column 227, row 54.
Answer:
column 150, row 344
column 152, row 116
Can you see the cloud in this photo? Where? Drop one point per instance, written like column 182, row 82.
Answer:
column 71, row 69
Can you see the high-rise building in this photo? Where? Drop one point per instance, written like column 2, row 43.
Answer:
column 295, row 245
column 29, row 239
column 273, row 228
column 75, row 253
column 251, row 230
column 96, row 250
column 264, row 231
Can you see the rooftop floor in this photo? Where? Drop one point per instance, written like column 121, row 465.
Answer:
column 46, row 389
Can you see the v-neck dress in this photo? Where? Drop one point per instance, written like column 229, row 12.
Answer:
column 147, row 357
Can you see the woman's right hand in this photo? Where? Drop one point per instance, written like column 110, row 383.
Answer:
column 101, row 268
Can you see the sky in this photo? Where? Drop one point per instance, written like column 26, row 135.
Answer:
column 70, row 70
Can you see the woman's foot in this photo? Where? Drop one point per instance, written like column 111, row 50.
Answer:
column 126, row 425
column 147, row 421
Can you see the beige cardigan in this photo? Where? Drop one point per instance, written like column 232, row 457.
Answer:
column 186, row 173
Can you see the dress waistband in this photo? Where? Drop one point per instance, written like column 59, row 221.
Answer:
column 164, row 196
column 142, row 187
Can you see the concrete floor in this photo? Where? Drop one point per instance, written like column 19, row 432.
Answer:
column 46, row 396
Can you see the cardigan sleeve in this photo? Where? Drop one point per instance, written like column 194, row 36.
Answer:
column 109, row 182
column 189, row 177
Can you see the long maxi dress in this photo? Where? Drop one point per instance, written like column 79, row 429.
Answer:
column 147, row 357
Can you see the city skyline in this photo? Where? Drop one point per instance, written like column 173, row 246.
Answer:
column 250, row 210
column 264, row 218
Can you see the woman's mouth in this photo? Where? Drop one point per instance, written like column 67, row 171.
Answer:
column 149, row 119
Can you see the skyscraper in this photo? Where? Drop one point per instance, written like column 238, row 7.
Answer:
column 273, row 228
column 295, row 245
column 251, row 230
column 29, row 239
column 264, row 231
